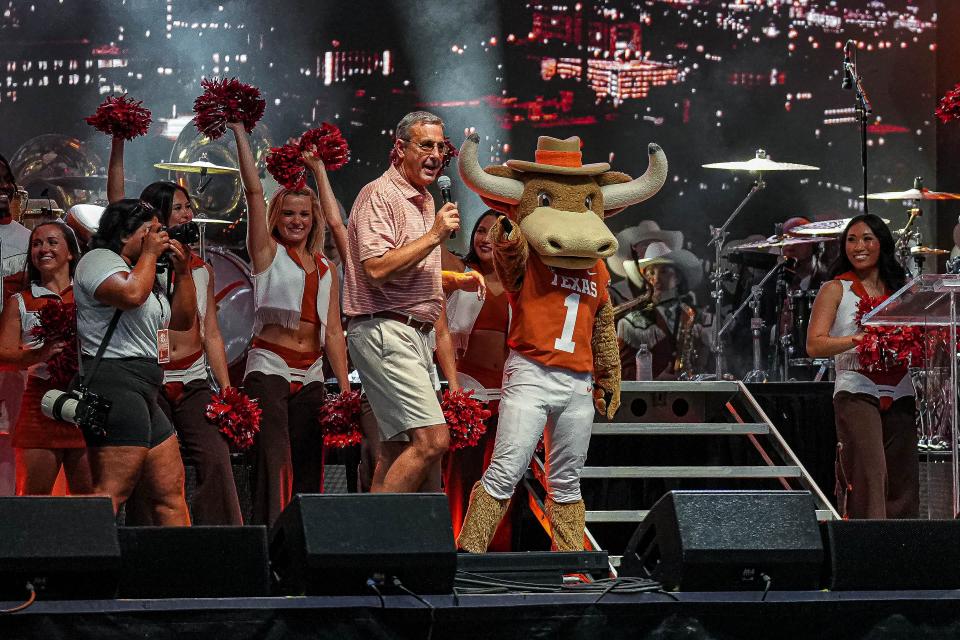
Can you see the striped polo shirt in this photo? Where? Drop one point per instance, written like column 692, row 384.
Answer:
column 387, row 214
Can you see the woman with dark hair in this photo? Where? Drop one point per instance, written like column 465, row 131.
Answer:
column 296, row 324
column 877, row 464
column 479, row 331
column 14, row 239
column 137, row 449
column 186, row 392
column 42, row 445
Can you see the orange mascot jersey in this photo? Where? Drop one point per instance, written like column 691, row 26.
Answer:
column 553, row 314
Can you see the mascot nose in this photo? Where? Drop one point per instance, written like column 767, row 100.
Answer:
column 560, row 245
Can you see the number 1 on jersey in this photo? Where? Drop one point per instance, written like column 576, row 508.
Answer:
column 565, row 341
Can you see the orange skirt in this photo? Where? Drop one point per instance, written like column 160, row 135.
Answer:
column 35, row 430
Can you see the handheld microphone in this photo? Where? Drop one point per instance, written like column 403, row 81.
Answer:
column 847, row 65
column 444, row 183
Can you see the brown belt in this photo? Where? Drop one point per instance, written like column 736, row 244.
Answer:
column 419, row 325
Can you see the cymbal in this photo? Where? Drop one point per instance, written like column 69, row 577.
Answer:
column 914, row 194
column 200, row 166
column 927, row 251
column 760, row 162
column 212, row 221
column 779, row 241
column 825, row 227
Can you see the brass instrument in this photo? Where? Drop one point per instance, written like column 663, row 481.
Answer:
column 624, row 308
column 220, row 198
column 686, row 346
column 44, row 160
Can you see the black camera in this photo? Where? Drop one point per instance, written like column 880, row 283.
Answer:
column 186, row 234
column 81, row 407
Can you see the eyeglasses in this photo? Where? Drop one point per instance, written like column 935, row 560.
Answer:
column 429, row 146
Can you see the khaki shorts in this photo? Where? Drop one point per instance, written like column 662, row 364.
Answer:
column 394, row 361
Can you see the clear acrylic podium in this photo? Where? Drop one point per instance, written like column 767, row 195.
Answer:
column 931, row 301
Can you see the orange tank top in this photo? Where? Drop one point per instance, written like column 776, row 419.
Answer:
column 553, row 314
column 494, row 314
column 311, row 286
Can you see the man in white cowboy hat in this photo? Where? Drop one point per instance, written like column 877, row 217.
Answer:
column 668, row 274
column 632, row 242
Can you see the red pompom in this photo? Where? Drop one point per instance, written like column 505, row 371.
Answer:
column 236, row 415
column 886, row 348
column 121, row 117
column 339, row 419
column 58, row 323
column 331, row 146
column 465, row 416
column 949, row 107
column 286, row 166
column 226, row 100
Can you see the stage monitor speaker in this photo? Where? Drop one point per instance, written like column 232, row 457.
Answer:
column 889, row 555
column 64, row 547
column 326, row 544
column 728, row 540
column 194, row 562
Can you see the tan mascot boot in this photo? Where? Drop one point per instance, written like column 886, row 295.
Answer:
column 567, row 522
column 483, row 517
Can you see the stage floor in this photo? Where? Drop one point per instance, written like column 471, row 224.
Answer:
column 799, row 614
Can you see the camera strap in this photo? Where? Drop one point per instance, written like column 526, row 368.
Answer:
column 85, row 380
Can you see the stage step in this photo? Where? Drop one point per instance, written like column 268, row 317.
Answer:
column 715, row 408
column 617, row 516
column 637, row 516
column 787, row 471
column 679, row 428
column 676, row 386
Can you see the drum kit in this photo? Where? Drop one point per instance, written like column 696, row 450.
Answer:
column 793, row 307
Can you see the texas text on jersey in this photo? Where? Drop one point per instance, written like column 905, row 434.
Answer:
column 553, row 314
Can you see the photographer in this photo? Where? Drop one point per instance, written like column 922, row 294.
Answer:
column 138, row 448
column 42, row 445
column 186, row 393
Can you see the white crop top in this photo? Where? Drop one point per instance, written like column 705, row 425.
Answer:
column 278, row 292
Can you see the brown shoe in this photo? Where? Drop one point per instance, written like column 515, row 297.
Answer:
column 483, row 516
column 567, row 521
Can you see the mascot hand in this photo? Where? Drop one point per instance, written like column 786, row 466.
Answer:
column 504, row 230
column 606, row 401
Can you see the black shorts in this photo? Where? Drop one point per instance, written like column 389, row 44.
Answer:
column 135, row 420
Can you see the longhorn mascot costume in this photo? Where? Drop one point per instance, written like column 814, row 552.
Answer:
column 563, row 363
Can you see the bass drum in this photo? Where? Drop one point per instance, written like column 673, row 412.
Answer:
column 233, row 292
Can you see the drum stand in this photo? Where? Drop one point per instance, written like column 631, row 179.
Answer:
column 757, row 374
column 910, row 234
column 756, row 325
column 718, row 236
column 203, row 237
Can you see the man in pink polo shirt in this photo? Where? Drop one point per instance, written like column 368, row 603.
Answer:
column 393, row 295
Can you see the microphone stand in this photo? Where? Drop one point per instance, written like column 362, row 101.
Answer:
column 718, row 237
column 864, row 111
